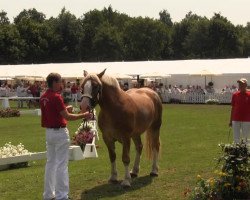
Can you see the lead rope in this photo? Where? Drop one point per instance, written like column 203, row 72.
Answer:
column 229, row 133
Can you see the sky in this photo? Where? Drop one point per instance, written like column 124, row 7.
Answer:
column 237, row 11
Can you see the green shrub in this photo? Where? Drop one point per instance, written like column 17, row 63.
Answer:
column 212, row 101
column 231, row 180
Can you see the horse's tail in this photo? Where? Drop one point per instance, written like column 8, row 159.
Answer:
column 152, row 143
column 153, row 132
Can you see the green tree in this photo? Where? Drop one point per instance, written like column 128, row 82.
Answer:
column 180, row 33
column 107, row 43
column 197, row 42
column 3, row 18
column 90, row 22
column 68, row 32
column 166, row 18
column 31, row 14
column 11, row 45
column 144, row 39
column 94, row 22
column 35, row 37
column 246, row 40
column 224, row 38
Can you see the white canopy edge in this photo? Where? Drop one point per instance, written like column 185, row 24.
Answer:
column 221, row 66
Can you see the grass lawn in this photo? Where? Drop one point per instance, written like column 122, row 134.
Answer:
column 189, row 136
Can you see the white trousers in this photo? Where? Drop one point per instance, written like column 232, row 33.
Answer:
column 56, row 183
column 74, row 98
column 241, row 130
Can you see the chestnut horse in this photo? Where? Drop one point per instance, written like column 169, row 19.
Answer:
column 124, row 116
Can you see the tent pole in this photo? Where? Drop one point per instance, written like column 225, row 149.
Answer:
column 205, row 81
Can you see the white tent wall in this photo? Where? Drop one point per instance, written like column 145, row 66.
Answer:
column 229, row 79
column 219, row 81
column 231, row 70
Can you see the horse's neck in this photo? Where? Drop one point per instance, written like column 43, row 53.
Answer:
column 110, row 97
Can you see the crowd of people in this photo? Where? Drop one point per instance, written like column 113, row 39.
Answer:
column 71, row 91
column 189, row 89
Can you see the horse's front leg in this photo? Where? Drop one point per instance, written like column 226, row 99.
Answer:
column 126, row 160
column 112, row 156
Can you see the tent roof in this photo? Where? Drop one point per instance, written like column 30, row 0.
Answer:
column 221, row 66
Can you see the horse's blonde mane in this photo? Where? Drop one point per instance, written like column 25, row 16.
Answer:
column 106, row 79
column 111, row 81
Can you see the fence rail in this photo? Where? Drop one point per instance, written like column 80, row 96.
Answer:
column 184, row 98
column 196, row 98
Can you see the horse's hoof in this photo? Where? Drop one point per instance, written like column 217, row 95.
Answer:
column 113, row 181
column 126, row 184
column 133, row 175
column 152, row 174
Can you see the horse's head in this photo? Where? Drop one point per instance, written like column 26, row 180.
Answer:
column 92, row 88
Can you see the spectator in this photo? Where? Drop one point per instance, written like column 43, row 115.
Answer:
column 125, row 86
column 240, row 113
column 176, row 90
column 74, row 90
column 21, row 92
column 234, row 89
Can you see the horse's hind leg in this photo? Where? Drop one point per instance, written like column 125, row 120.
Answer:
column 155, row 152
column 138, row 146
column 126, row 160
column 153, row 148
column 112, row 156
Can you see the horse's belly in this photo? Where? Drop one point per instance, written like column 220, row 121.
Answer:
column 112, row 128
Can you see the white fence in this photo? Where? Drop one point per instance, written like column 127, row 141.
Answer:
column 183, row 98
column 4, row 93
column 196, row 98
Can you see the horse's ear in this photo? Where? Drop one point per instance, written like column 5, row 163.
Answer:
column 101, row 74
column 85, row 73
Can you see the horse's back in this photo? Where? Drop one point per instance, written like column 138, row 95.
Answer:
column 148, row 104
column 146, row 95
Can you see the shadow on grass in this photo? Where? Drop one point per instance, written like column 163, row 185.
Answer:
column 14, row 166
column 113, row 190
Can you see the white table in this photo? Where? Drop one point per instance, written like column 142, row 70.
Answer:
column 5, row 102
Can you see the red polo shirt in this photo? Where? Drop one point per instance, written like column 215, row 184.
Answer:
column 52, row 104
column 74, row 89
column 241, row 106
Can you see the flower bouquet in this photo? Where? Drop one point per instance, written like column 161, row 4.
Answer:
column 84, row 135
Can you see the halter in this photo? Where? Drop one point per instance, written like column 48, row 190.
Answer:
column 94, row 101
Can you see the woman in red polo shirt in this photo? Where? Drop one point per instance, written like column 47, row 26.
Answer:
column 240, row 114
column 54, row 118
column 74, row 90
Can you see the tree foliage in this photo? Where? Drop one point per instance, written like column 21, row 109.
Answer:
column 108, row 35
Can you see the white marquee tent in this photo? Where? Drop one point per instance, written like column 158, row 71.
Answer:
column 231, row 69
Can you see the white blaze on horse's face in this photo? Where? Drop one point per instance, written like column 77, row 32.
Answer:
column 88, row 89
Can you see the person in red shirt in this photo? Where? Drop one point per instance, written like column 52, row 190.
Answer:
column 74, row 90
column 54, row 118
column 240, row 113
